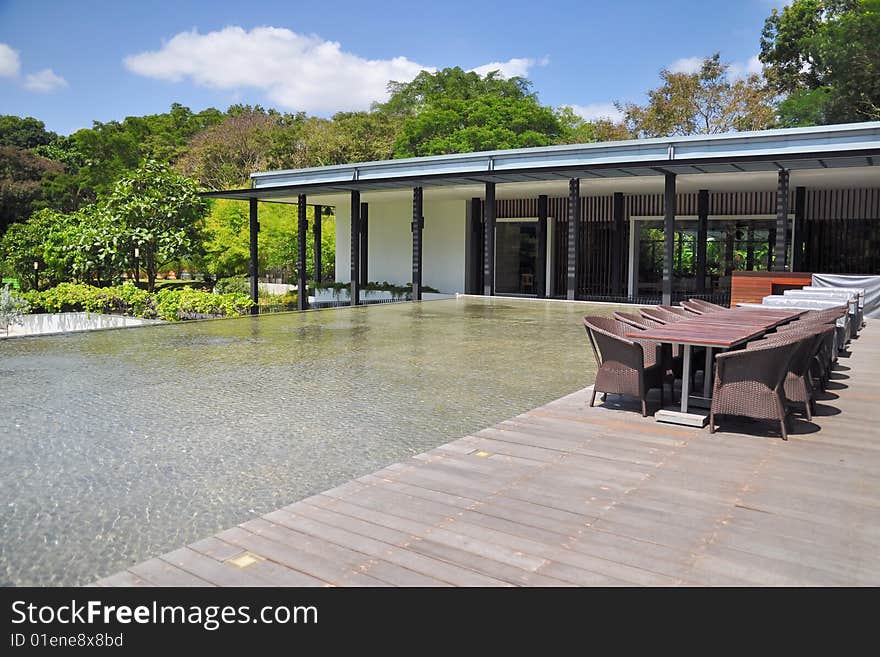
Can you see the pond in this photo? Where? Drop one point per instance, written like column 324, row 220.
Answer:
column 116, row 446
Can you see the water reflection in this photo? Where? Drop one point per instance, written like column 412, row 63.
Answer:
column 117, row 446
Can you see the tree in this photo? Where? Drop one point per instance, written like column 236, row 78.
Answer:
column 42, row 239
column 162, row 214
column 224, row 155
column 23, row 132
column 823, row 58
column 576, row 130
column 21, row 176
column 704, row 102
column 453, row 111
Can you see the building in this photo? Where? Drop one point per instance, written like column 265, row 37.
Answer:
column 645, row 220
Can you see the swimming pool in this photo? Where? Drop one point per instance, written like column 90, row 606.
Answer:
column 119, row 445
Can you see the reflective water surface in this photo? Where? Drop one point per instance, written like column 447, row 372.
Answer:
column 116, row 446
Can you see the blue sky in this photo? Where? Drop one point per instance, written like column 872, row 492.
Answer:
column 68, row 63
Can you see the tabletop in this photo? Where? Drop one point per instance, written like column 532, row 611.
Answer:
column 725, row 329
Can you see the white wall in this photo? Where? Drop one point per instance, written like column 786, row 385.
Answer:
column 390, row 242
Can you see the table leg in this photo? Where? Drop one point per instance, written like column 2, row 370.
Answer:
column 686, row 378
column 707, row 373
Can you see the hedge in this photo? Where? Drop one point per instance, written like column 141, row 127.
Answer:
column 168, row 304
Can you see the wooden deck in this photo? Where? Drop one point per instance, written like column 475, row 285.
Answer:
column 568, row 495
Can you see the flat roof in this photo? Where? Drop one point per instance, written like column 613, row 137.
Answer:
column 816, row 147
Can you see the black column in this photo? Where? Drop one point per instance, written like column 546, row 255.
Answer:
column 702, row 238
column 418, row 225
column 319, row 215
column 800, row 227
column 253, row 267
column 302, row 224
column 489, row 241
column 364, row 243
column 779, row 263
column 668, row 236
column 750, row 248
column 618, row 247
column 355, row 247
column 574, row 237
column 541, row 259
column 475, row 254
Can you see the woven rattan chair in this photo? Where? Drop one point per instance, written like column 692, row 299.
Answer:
column 671, row 354
column 660, row 314
column 693, row 308
column 706, row 305
column 626, row 366
column 749, row 382
column 798, row 386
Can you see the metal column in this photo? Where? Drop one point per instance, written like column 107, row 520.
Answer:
column 418, row 225
column 779, row 262
column 355, row 247
column 574, row 237
column 302, row 221
column 489, row 241
column 669, row 236
column 253, row 267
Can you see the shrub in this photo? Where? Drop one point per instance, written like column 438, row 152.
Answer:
column 240, row 284
column 12, row 307
column 171, row 304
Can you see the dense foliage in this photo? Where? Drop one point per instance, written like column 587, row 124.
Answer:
column 167, row 304
column 823, row 58
column 705, row 102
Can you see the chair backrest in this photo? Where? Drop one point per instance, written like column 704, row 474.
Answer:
column 693, row 308
column 633, row 320
column 706, row 305
column 807, row 340
column 677, row 310
column 662, row 315
column 765, row 363
column 609, row 342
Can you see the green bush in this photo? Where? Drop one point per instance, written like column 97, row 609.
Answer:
column 240, row 284
column 173, row 305
column 170, row 304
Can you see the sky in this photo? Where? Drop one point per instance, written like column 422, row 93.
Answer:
column 71, row 63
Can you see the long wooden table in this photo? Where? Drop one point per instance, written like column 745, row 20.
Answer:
column 718, row 330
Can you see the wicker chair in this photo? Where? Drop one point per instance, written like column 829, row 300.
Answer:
column 671, row 353
column 677, row 310
column 749, row 382
column 660, row 314
column 706, row 305
column 798, row 386
column 693, row 308
column 626, row 366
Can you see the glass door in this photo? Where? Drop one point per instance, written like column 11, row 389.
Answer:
column 516, row 254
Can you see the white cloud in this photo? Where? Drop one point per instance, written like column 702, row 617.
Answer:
column 686, row 65
column 295, row 71
column 9, row 62
column 516, row 67
column 752, row 66
column 594, row 111
column 44, row 82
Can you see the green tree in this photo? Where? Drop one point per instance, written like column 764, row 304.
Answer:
column 21, row 176
column 162, row 213
column 823, row 58
column 43, row 239
column 576, row 130
column 453, row 111
column 705, row 102
column 23, row 132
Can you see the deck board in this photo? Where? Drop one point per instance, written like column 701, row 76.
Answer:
column 568, row 495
